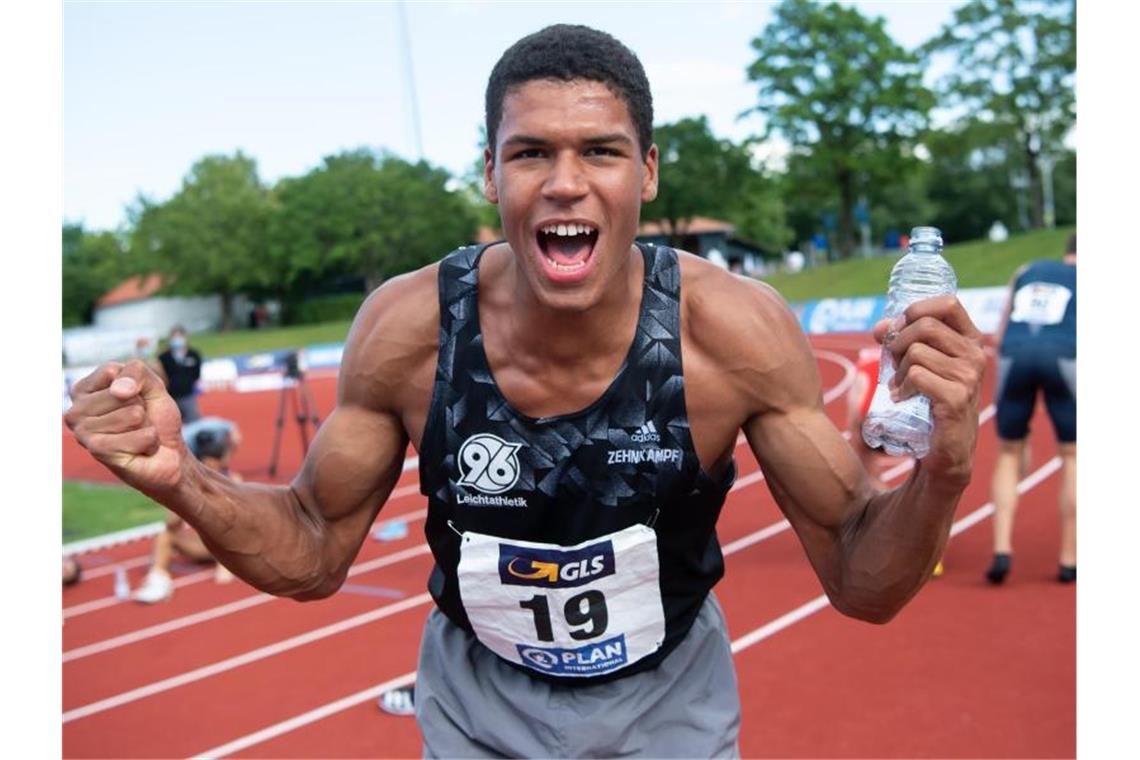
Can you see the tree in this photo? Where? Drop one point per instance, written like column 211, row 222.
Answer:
column 846, row 96
column 703, row 175
column 1015, row 68
column 368, row 216
column 970, row 168
column 93, row 263
column 211, row 236
column 698, row 175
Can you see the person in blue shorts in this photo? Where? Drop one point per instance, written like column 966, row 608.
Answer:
column 575, row 397
column 1038, row 354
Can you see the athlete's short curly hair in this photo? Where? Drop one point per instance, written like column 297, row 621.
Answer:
column 570, row 52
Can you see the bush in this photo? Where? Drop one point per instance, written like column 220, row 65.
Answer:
column 336, row 308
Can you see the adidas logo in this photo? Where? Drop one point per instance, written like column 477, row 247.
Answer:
column 646, row 433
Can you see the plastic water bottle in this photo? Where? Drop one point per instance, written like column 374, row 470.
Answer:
column 905, row 427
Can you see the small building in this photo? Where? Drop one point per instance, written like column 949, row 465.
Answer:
column 136, row 303
column 713, row 239
column 131, row 318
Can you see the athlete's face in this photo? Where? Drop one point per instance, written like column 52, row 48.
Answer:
column 569, row 178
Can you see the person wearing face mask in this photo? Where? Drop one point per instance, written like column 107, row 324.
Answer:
column 181, row 367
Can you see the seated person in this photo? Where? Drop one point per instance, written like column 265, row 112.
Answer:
column 212, row 440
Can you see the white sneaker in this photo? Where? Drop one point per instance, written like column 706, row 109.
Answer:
column 157, row 586
column 399, row 701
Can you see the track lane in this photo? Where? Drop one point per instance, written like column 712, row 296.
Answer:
column 372, row 711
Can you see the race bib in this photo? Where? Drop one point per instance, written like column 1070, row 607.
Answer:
column 1040, row 303
column 581, row 610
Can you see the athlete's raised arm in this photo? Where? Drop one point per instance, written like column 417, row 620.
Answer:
column 296, row 540
column 872, row 551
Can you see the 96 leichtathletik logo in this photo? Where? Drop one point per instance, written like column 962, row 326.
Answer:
column 488, row 463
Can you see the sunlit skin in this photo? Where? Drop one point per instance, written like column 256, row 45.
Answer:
column 569, row 151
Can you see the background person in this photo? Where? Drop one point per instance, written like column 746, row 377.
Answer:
column 181, row 369
column 1038, row 353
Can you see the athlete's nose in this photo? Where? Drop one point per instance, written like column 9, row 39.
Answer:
column 566, row 181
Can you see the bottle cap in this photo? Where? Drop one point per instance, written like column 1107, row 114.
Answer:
column 928, row 235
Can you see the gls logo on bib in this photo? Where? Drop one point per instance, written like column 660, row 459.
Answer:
column 489, row 464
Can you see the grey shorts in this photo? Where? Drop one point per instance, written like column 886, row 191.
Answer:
column 470, row 703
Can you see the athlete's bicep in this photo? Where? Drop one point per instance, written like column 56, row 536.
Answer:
column 358, row 453
column 812, row 471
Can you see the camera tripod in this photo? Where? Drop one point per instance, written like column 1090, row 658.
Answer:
column 294, row 389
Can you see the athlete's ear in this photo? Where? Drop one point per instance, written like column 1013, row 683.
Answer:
column 649, row 180
column 490, row 192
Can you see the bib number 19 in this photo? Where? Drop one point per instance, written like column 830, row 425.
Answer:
column 586, row 615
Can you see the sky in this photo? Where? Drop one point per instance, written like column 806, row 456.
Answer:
column 149, row 88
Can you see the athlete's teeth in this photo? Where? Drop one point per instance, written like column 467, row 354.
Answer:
column 566, row 230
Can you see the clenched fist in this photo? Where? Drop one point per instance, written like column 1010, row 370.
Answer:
column 123, row 415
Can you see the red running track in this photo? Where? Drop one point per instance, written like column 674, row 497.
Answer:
column 965, row 670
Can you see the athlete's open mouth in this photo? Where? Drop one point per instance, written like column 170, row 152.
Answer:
column 567, row 246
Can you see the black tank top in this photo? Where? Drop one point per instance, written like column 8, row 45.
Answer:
column 627, row 458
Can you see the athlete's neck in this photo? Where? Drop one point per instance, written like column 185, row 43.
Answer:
column 511, row 308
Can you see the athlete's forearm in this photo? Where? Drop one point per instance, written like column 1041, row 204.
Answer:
column 890, row 547
column 263, row 533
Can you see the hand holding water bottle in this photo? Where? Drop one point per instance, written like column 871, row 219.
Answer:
column 931, row 349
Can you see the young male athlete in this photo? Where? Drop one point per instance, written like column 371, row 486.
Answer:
column 1038, row 353
column 575, row 399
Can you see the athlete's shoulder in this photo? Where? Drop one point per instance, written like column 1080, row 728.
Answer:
column 405, row 304
column 715, row 300
column 742, row 332
column 393, row 339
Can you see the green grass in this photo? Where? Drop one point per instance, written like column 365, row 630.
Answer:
column 92, row 509
column 978, row 264
column 269, row 339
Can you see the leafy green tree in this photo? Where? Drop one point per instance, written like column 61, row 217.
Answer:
column 969, row 181
column 703, row 175
column 211, row 236
column 848, row 98
column 1015, row 67
column 93, row 263
column 367, row 216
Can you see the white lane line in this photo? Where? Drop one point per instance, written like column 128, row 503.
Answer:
column 109, row 601
column 820, row 602
column 305, row 719
column 227, row 609
column 107, row 540
column 749, row 639
column 109, row 569
column 243, row 659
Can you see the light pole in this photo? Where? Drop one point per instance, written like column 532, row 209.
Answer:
column 410, row 79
